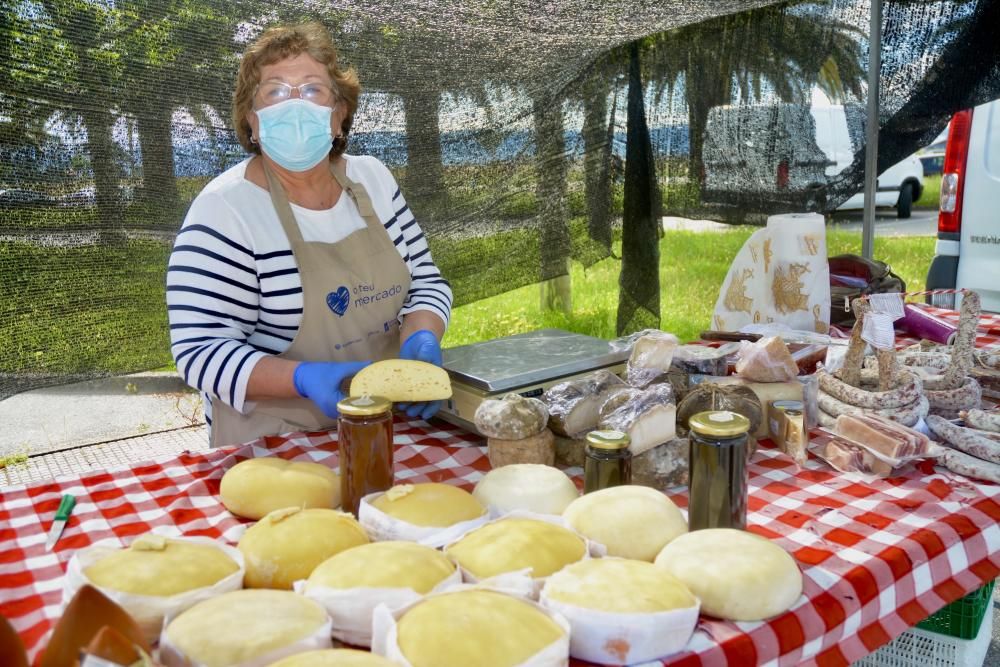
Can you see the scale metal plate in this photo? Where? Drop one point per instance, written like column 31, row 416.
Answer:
column 526, row 364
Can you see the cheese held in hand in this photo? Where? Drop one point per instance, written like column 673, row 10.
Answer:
column 401, row 380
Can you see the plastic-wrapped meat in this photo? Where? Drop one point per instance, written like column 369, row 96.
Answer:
column 883, row 435
column 650, row 359
column 615, row 398
column 847, row 456
column 703, row 360
column 649, row 418
column 573, row 405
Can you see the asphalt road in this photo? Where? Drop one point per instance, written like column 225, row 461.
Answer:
column 923, row 222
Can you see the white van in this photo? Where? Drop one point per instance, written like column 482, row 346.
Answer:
column 838, row 132
column 968, row 246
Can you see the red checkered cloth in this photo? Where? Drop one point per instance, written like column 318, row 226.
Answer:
column 877, row 556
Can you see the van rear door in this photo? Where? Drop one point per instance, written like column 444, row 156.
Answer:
column 979, row 257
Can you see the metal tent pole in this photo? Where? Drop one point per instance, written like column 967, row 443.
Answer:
column 871, row 129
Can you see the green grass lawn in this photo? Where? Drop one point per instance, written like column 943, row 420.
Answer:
column 110, row 315
column 929, row 198
column 692, row 268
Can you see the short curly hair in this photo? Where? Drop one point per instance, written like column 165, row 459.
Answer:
column 277, row 44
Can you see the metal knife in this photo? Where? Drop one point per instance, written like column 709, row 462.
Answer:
column 66, row 506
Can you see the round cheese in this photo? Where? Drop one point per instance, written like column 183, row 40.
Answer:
column 526, row 486
column 384, row 565
column 512, row 417
column 434, row 505
column 618, row 585
column 631, row 521
column 242, row 625
column 474, row 627
column 737, row 575
column 254, row 487
column 156, row 565
column 288, row 544
column 339, row 657
column 513, row 544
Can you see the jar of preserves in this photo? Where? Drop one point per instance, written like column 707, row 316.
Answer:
column 607, row 460
column 717, row 486
column 364, row 435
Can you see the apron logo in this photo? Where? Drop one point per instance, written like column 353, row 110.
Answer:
column 339, row 300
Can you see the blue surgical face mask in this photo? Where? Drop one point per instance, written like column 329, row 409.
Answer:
column 296, row 133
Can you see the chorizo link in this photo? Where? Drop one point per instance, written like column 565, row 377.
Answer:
column 970, row 466
column 908, row 388
column 965, row 342
column 981, row 419
column 964, row 440
column 967, row 395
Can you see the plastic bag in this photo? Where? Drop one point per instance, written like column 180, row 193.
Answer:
column 766, row 360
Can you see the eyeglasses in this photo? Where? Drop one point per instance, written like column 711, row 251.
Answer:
column 272, row 92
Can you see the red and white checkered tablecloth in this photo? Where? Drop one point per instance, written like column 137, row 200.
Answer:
column 877, row 557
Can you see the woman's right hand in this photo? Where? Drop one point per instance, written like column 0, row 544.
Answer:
column 320, row 381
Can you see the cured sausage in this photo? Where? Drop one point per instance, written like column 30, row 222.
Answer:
column 967, row 395
column 981, row 419
column 964, row 439
column 907, row 389
column 970, row 466
column 855, row 356
column 888, row 368
column 965, row 342
column 907, row 415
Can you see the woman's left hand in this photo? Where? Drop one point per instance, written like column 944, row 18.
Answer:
column 421, row 345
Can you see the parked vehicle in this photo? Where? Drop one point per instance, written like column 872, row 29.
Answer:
column 838, row 132
column 968, row 246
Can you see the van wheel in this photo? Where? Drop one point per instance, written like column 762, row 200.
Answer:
column 905, row 204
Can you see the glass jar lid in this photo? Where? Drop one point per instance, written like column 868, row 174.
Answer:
column 364, row 406
column 608, row 439
column 719, row 423
column 787, row 405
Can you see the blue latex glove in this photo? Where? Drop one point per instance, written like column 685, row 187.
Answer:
column 319, row 381
column 421, row 346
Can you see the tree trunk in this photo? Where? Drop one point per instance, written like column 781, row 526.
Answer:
column 639, row 282
column 103, row 162
column 158, row 195
column 424, row 179
column 550, row 170
column 597, row 141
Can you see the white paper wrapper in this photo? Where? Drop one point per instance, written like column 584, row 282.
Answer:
column 780, row 275
column 610, row 638
column 351, row 609
column 172, row 656
column 385, row 643
column 149, row 610
column 382, row 527
column 520, row 583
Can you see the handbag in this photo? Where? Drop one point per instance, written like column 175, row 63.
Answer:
column 852, row 276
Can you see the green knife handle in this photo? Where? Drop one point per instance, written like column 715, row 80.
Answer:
column 65, row 507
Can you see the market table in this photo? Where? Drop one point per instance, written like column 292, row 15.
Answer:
column 877, row 557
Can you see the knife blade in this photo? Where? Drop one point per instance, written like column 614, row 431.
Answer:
column 66, row 506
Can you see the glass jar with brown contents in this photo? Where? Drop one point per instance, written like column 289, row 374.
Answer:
column 717, row 470
column 364, row 434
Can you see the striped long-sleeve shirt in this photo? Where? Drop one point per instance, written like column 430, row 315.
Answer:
column 234, row 293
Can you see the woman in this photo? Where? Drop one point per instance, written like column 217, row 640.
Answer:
column 299, row 266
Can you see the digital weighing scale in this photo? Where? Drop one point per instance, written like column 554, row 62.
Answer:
column 525, row 364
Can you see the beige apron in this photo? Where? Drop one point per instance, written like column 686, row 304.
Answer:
column 352, row 292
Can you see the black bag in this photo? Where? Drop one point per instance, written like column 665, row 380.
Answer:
column 852, row 276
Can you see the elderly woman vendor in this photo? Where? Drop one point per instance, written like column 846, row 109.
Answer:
column 300, row 265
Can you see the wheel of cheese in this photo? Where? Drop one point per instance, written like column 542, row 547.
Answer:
column 254, row 487
column 338, row 657
column 738, row 576
column 431, row 504
column 156, row 565
column 618, row 585
column 513, row 544
column 288, row 544
column 631, row 521
column 512, row 417
column 480, row 628
column 526, row 486
column 384, row 565
column 241, row 626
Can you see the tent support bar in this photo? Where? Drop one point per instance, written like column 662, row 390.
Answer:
column 871, row 128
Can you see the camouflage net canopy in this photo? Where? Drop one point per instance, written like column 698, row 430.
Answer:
column 524, row 134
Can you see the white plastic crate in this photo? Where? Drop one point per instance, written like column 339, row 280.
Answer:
column 922, row 648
